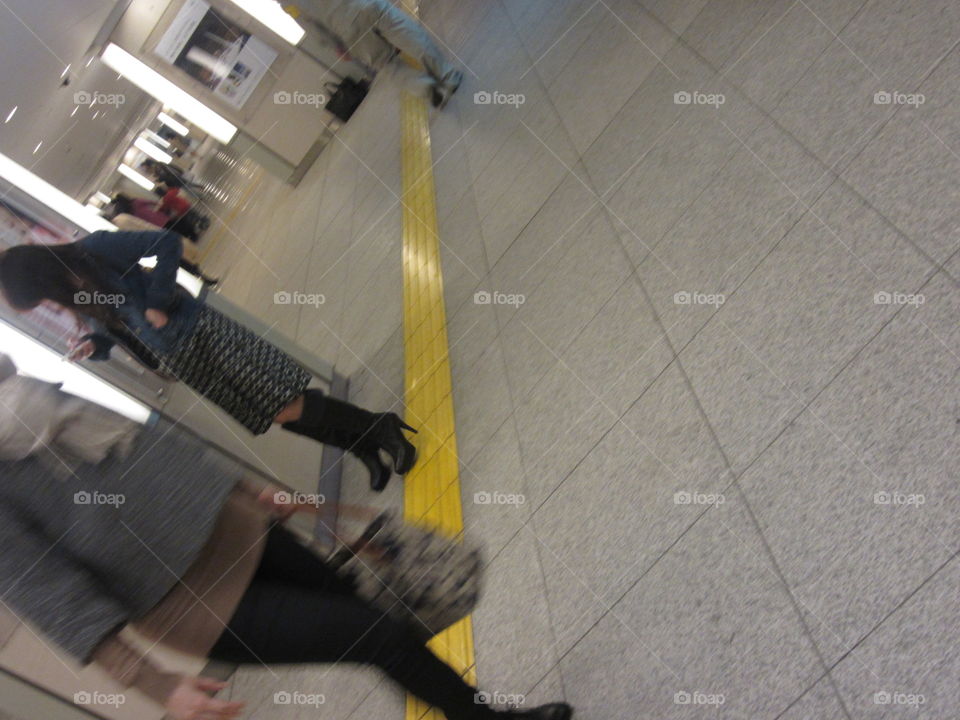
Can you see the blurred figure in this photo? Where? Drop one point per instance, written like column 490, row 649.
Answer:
column 358, row 22
column 121, row 212
column 99, row 279
column 105, row 525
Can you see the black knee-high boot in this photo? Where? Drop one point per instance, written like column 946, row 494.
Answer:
column 363, row 433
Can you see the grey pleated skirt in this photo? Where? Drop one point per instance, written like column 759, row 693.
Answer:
column 237, row 369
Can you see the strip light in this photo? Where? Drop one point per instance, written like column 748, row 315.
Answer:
column 141, row 180
column 272, row 14
column 35, row 359
column 156, row 139
column 156, row 85
column 152, row 151
column 59, row 202
column 177, row 127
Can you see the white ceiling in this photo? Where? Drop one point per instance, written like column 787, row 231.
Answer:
column 38, row 39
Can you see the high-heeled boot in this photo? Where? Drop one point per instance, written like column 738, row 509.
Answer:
column 358, row 431
column 333, row 422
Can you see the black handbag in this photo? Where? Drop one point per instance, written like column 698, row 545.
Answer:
column 346, row 97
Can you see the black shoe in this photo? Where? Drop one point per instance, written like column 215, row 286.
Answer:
column 444, row 89
column 387, row 434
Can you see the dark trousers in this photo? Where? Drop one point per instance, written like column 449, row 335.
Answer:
column 297, row 610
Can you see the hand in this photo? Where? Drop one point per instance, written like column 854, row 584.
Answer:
column 268, row 499
column 81, row 351
column 157, row 318
column 190, row 701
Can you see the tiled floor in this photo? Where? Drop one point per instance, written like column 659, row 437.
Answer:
column 730, row 395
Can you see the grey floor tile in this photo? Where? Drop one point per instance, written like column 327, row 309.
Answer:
column 818, row 703
column 906, row 173
column 745, row 402
column 513, row 619
column 623, row 48
column 558, row 424
column 720, row 28
column 849, row 558
column 671, row 176
column 777, row 53
column 481, row 402
column 909, row 664
column 646, row 119
column 731, row 226
column 580, row 283
column 528, row 260
column 622, row 350
column 626, row 504
column 810, row 305
column 494, row 490
column 831, row 109
column 675, row 15
column 709, row 620
column 900, row 41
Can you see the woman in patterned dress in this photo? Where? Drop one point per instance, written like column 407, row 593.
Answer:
column 100, row 280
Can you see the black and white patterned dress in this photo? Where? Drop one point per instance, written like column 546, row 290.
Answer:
column 237, row 369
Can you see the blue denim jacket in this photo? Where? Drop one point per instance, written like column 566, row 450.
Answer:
column 118, row 255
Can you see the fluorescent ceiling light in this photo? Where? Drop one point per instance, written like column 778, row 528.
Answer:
column 59, row 202
column 12, row 113
column 272, row 14
column 35, row 359
column 156, row 139
column 144, row 182
column 177, row 127
column 155, row 84
column 37, row 148
column 152, row 150
column 65, row 71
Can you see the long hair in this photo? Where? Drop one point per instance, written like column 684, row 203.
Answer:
column 64, row 274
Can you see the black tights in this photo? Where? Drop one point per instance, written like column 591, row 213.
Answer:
column 297, row 610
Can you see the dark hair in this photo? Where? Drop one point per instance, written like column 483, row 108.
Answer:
column 30, row 274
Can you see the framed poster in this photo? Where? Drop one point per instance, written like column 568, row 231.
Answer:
column 216, row 51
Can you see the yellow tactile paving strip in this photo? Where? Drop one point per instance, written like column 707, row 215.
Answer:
column 432, row 488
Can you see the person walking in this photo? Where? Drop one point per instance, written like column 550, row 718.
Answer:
column 112, row 527
column 360, row 23
column 100, row 280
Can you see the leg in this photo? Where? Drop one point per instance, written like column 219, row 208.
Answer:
column 404, row 32
column 288, row 562
column 279, row 623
